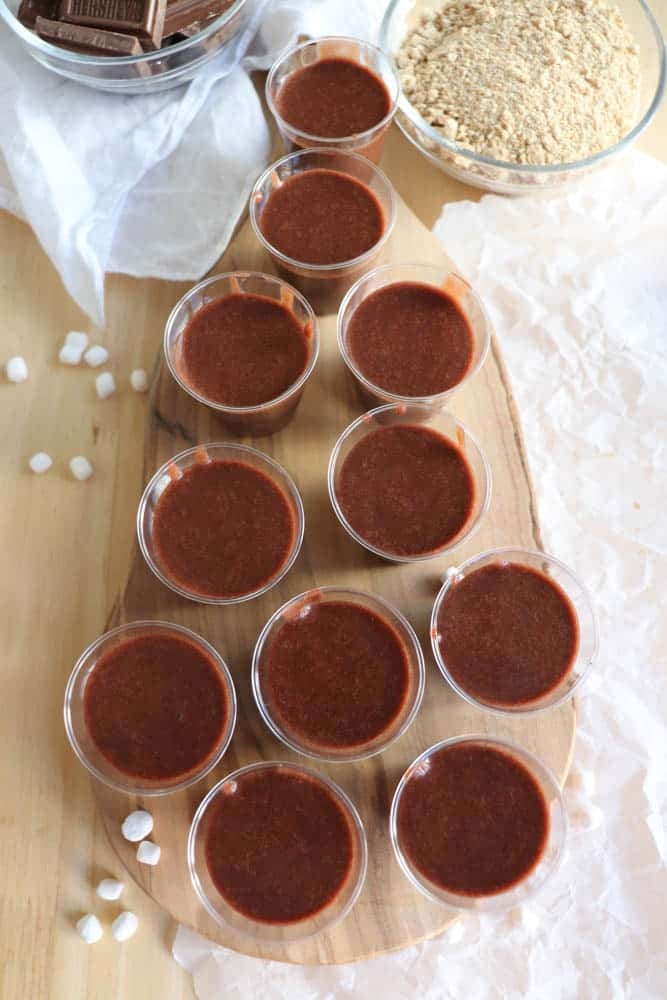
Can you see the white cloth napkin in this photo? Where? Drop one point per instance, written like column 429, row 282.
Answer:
column 576, row 285
column 148, row 186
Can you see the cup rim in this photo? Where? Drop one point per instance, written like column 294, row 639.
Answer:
column 274, row 467
column 519, row 554
column 311, row 139
column 257, row 407
column 339, row 794
column 352, row 262
column 393, row 397
column 539, row 772
column 367, row 418
column 294, row 745
column 119, row 631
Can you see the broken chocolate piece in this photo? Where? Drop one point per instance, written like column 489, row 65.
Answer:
column 142, row 18
column 91, row 41
column 182, row 15
column 30, row 10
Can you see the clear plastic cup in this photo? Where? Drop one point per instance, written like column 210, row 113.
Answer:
column 77, row 732
column 443, row 279
column 368, row 143
column 215, row 452
column 264, row 418
column 218, row 907
column 574, row 590
column 430, row 417
column 547, row 865
column 323, row 284
column 416, row 675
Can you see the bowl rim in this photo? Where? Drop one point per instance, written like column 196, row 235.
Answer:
column 338, row 593
column 353, row 262
column 33, row 41
column 311, row 138
column 516, row 554
column 548, row 169
column 287, row 393
column 429, row 271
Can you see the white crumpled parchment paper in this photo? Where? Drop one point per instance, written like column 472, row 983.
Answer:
column 576, row 285
column 147, row 186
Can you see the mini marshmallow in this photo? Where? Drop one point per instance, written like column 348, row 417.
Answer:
column 105, row 385
column 124, row 926
column 139, row 380
column 77, row 341
column 40, row 462
column 89, row 928
column 16, row 370
column 96, row 356
column 456, row 932
column 110, row 888
column 148, row 853
column 80, row 468
column 137, row 826
column 582, row 780
column 69, row 355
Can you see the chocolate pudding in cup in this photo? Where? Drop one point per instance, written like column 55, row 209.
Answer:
column 150, row 708
column 243, row 344
column 334, row 93
column 338, row 674
column 220, row 523
column 324, row 217
column 408, row 482
column 277, row 852
column 412, row 333
column 478, row 824
column 513, row 631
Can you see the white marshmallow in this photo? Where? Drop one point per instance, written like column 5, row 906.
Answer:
column 148, row 853
column 137, row 826
column 80, row 467
column 456, row 932
column 582, row 780
column 96, row 356
column 124, row 926
column 105, row 385
column 89, row 928
column 69, row 355
column 110, row 888
column 16, row 370
column 78, row 341
column 40, row 462
column 139, row 380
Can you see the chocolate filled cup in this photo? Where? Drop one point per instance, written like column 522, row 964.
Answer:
column 243, row 344
column 325, row 218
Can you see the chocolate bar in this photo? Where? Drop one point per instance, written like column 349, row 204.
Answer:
column 30, row 10
column 181, row 15
column 142, row 18
column 91, row 41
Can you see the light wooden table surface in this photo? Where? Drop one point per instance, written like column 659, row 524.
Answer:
column 65, row 547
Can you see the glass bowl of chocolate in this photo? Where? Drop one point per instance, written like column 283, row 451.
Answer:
column 126, row 46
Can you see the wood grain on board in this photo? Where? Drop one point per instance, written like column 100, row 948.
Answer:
column 390, row 913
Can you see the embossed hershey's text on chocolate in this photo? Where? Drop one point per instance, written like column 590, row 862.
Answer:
column 143, row 18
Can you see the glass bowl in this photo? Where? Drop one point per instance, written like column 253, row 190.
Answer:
column 369, row 143
column 512, row 178
column 546, row 867
column 143, row 74
column 443, row 279
column 75, row 724
column 580, row 599
column 221, row 911
column 296, row 606
column 435, row 419
column 323, row 283
column 265, row 418
column 184, row 460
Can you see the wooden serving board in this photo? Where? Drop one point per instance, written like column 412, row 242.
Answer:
column 390, row 913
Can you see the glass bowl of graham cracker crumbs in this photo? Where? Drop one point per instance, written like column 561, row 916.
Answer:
column 518, row 97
